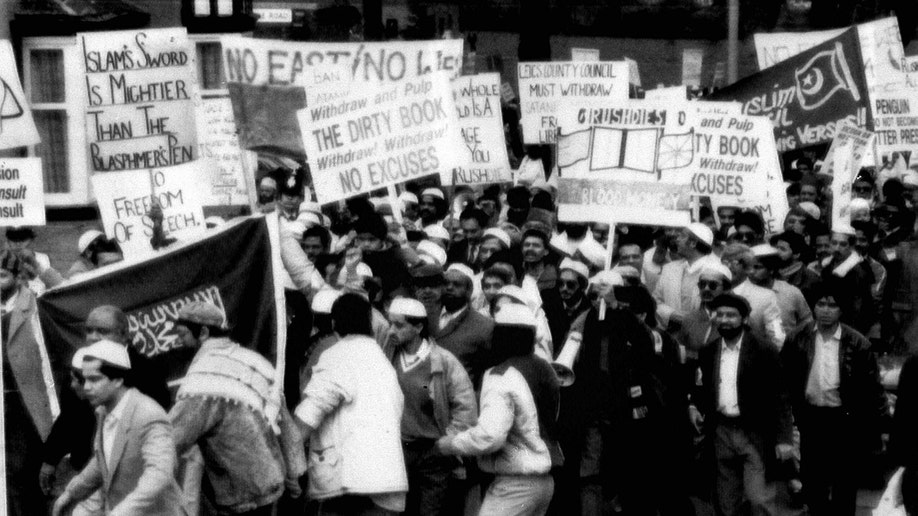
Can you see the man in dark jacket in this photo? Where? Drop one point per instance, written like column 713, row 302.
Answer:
column 903, row 445
column 746, row 411
column 838, row 401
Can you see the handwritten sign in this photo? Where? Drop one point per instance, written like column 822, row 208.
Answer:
column 285, row 63
column 896, row 127
column 220, row 149
column 16, row 125
column 140, row 98
column 368, row 141
column 544, row 85
column 481, row 125
column 125, row 199
column 584, row 54
column 22, row 197
column 846, row 156
column 633, row 156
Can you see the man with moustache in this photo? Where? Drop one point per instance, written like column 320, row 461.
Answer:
column 462, row 331
column 676, row 291
column 433, row 207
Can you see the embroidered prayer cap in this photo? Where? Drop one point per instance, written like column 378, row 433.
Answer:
column 463, row 269
column 428, row 249
column 436, row 231
column 77, row 361
column 499, row 234
column 764, row 250
column 87, row 238
column 514, row 315
column 199, row 312
column 408, row 307
column 731, row 300
column 718, row 269
column 610, row 278
column 434, row 192
column 702, row 233
column 324, row 299
column 574, row 265
column 108, row 352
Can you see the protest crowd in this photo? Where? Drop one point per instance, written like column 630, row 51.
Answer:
column 438, row 346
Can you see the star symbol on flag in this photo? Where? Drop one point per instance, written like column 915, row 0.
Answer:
column 809, row 78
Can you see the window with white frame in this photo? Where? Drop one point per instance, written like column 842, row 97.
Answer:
column 51, row 80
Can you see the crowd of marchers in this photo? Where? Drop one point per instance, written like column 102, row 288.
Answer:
column 461, row 351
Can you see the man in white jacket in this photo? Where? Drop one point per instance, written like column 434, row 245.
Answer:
column 514, row 437
column 351, row 414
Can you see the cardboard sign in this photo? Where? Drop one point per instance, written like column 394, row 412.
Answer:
column 16, row 125
column 481, row 125
column 140, row 98
column 633, row 157
column 845, row 158
column 22, row 194
column 667, row 94
column 220, row 147
column 287, row 63
column 543, row 86
column 369, row 141
column 266, row 117
column 896, row 127
column 692, row 61
column 126, row 198
column 808, row 96
column 584, row 54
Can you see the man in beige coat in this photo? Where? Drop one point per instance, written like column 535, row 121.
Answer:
column 134, row 458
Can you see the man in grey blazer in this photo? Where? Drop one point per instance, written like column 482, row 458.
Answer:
column 134, row 458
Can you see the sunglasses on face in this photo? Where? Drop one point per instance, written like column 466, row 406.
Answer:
column 708, row 285
column 571, row 284
column 863, row 189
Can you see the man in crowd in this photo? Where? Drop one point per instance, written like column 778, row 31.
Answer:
column 433, row 207
column 747, row 415
column 791, row 248
column 134, row 459
column 439, row 400
column 697, row 328
column 535, row 253
column 566, row 302
column 351, row 417
column 838, row 402
column 795, row 312
column 462, row 331
column 847, row 267
column 514, row 437
column 226, row 406
column 676, row 292
column 29, row 395
column 316, row 241
column 472, row 223
column 765, row 315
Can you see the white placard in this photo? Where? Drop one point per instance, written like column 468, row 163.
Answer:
column 544, row 85
column 481, row 125
column 584, row 54
column 843, row 161
column 896, row 126
column 288, row 63
column 368, row 141
column 16, row 125
column 125, row 199
column 22, row 196
column 140, row 98
column 220, row 147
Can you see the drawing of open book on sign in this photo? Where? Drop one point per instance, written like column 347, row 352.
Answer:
column 640, row 150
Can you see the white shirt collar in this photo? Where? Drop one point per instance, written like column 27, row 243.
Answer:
column 836, row 335
column 739, row 342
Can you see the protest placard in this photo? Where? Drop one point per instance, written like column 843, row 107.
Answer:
column 125, row 199
column 140, row 98
column 692, row 61
column 544, row 85
column 16, row 125
column 367, row 141
column 667, row 94
column 22, row 196
column 584, row 54
column 481, row 125
column 287, row 63
column 773, row 47
column 845, row 158
column 896, row 127
column 630, row 158
column 809, row 95
column 220, row 147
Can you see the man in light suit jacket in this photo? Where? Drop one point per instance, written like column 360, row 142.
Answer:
column 765, row 317
column 134, row 458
